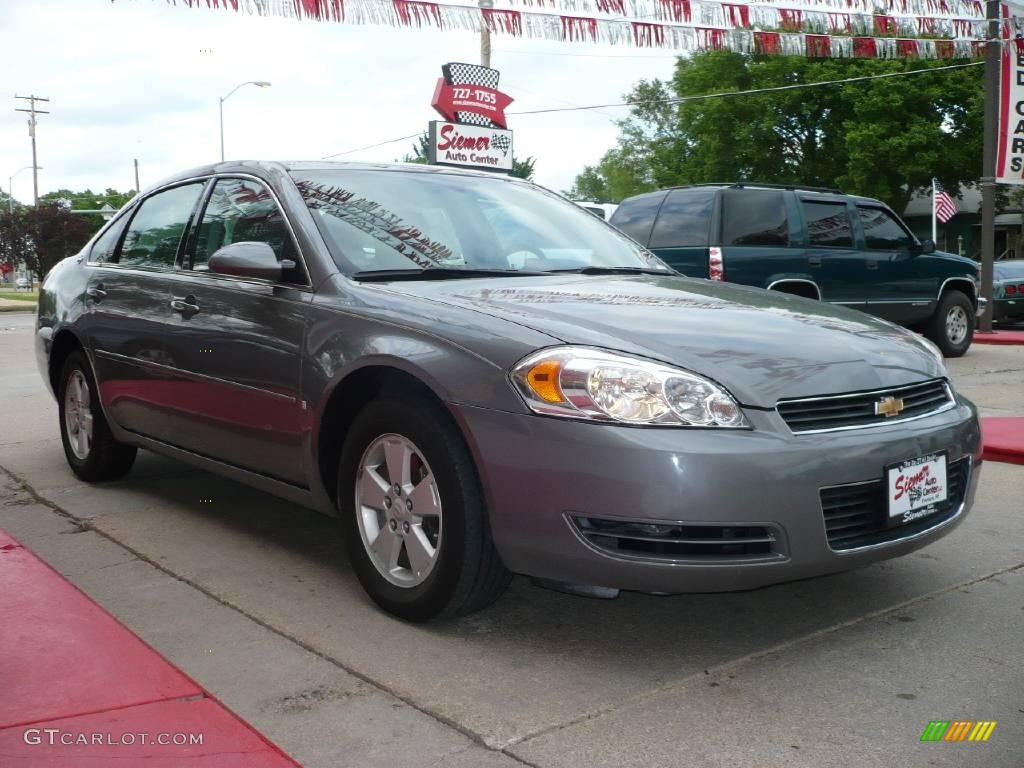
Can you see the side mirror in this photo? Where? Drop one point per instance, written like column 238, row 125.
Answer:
column 246, row 259
column 924, row 247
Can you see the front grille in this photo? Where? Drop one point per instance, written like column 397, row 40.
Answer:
column 855, row 515
column 817, row 414
column 678, row 541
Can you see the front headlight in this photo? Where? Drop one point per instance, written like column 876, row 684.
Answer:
column 583, row 383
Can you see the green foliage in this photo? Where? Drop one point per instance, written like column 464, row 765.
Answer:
column 89, row 200
column 883, row 138
column 521, row 169
column 41, row 236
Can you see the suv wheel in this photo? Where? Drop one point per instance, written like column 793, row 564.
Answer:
column 91, row 450
column 416, row 525
column 952, row 325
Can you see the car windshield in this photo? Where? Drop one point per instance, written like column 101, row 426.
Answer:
column 393, row 220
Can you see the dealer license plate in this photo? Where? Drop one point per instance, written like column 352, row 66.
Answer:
column 917, row 488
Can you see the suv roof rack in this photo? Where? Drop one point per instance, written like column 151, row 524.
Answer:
column 741, row 184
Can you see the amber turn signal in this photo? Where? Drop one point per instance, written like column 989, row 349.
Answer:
column 543, row 380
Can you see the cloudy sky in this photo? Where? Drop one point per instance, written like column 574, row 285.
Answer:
column 140, row 79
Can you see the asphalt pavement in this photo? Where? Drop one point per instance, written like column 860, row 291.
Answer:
column 252, row 597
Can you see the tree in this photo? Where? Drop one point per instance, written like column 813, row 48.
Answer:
column 885, row 138
column 41, row 236
column 89, row 200
column 521, row 169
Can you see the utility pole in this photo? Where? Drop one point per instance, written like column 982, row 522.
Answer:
column 32, row 99
column 485, row 34
column 137, row 187
column 993, row 54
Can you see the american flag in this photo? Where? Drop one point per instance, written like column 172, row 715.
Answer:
column 945, row 206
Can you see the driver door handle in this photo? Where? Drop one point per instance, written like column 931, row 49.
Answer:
column 186, row 305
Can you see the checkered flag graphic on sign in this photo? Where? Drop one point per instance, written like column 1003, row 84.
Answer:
column 471, row 74
column 501, row 141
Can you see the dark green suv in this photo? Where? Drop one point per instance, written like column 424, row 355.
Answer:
column 816, row 243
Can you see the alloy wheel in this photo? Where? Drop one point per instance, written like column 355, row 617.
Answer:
column 78, row 419
column 956, row 324
column 398, row 510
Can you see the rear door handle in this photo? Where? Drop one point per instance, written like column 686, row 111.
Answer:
column 814, row 261
column 186, row 305
column 96, row 292
column 872, row 264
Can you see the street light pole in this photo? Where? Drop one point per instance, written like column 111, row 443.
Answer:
column 257, row 83
column 10, row 187
column 993, row 55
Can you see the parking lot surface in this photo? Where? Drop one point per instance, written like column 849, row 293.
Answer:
column 252, row 597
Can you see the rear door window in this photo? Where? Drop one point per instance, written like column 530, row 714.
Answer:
column 636, row 216
column 155, row 232
column 684, row 219
column 882, row 232
column 828, row 224
column 754, row 217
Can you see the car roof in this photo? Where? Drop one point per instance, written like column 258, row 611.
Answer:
column 823, row 192
column 270, row 167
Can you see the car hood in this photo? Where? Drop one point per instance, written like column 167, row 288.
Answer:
column 763, row 346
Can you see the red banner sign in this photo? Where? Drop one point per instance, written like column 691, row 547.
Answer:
column 478, row 99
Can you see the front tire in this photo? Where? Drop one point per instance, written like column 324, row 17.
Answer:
column 414, row 515
column 952, row 325
column 91, row 450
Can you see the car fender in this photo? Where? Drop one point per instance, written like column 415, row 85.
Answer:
column 774, row 281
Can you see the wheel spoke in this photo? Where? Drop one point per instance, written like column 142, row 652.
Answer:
column 82, row 441
column 387, row 546
column 425, row 502
column 398, row 457
column 421, row 552
column 83, row 392
column 372, row 488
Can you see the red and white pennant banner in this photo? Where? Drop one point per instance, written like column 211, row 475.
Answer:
column 683, row 25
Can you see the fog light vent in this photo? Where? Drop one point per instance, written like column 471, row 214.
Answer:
column 678, row 541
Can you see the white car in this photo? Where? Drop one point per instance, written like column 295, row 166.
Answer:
column 601, row 210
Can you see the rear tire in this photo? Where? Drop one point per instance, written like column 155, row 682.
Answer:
column 91, row 450
column 439, row 500
column 952, row 325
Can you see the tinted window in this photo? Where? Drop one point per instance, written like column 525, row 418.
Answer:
column 828, row 224
column 635, row 216
column 684, row 219
column 243, row 210
column 882, row 232
column 383, row 220
column 153, row 236
column 754, row 217
column 103, row 249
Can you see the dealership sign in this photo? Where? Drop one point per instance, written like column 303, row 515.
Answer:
column 474, row 133
column 1010, row 161
column 470, row 146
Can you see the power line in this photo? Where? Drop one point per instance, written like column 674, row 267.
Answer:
column 700, row 97
column 794, row 86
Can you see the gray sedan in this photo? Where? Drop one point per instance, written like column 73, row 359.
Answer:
column 479, row 378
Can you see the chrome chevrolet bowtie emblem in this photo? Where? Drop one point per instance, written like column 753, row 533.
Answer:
column 888, row 406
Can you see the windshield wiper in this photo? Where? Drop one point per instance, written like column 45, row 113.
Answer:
column 437, row 273
column 610, row 271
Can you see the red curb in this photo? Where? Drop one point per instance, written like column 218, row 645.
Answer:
column 1003, row 438
column 70, row 665
column 999, row 337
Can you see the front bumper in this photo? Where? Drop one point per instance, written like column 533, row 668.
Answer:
column 540, row 473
